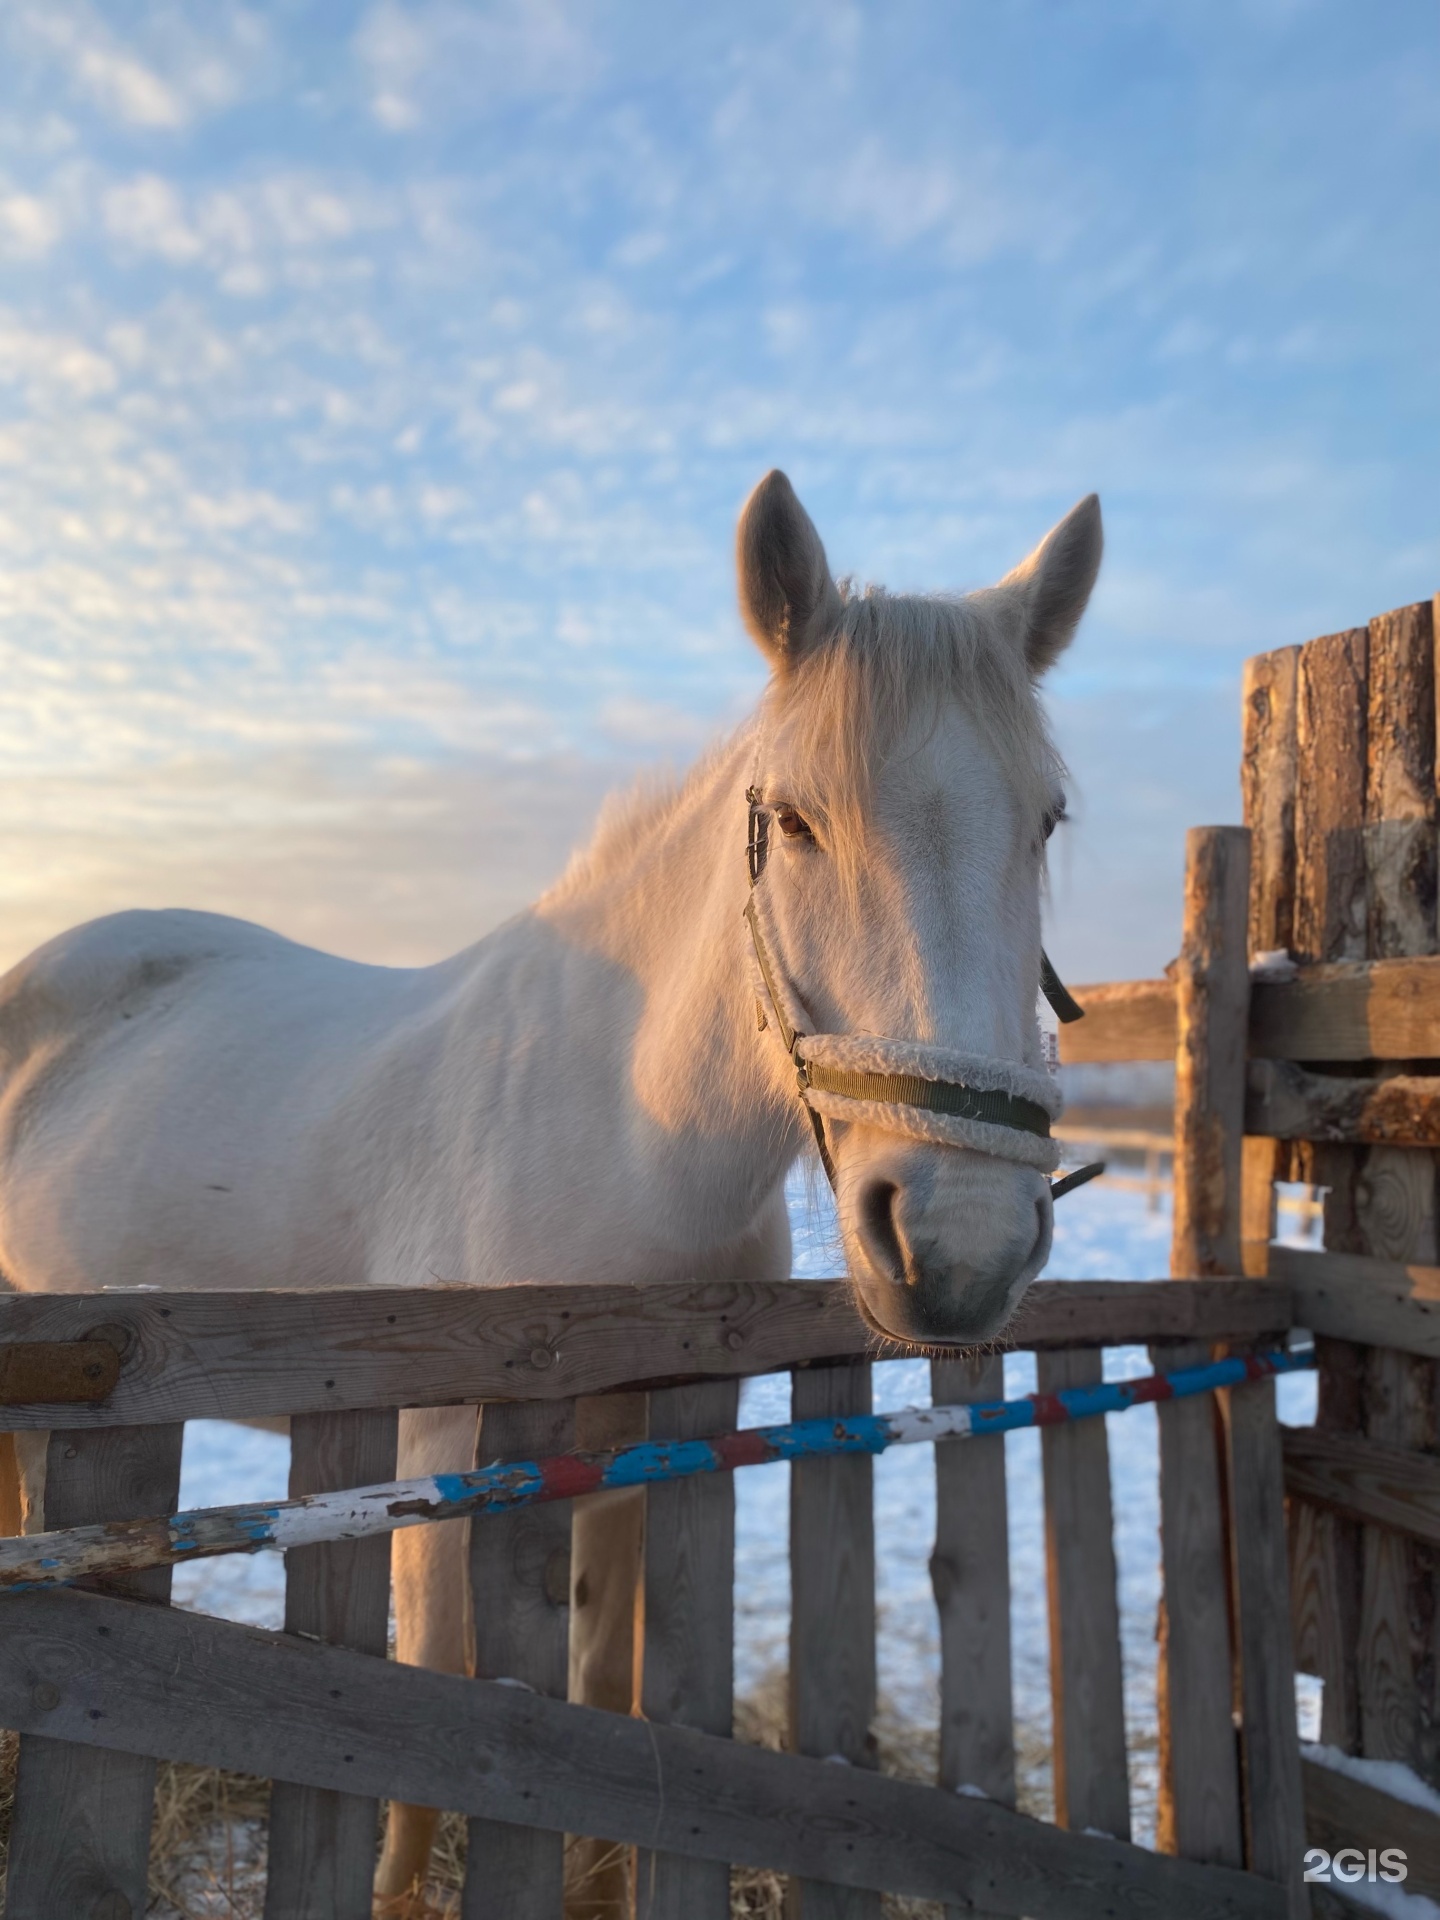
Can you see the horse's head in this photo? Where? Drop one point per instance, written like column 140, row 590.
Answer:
column 905, row 786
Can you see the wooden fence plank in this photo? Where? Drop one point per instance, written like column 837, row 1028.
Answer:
column 1343, row 1812
column 1358, row 1298
column 520, row 1587
column 225, row 1356
column 1212, row 1004
column 80, row 1829
column 687, row 1673
column 1389, row 1486
column 1124, row 1020
column 322, row 1844
column 1267, row 783
column 832, row 1620
column 145, row 1679
column 970, row 1576
column 1346, row 1010
column 1274, row 1814
column 1092, row 1788
column 1200, row 1815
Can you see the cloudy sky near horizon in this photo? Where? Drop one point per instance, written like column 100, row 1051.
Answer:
column 379, row 383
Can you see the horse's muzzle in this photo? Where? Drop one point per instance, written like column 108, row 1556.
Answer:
column 942, row 1242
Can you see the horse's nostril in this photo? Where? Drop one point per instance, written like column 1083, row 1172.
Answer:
column 877, row 1225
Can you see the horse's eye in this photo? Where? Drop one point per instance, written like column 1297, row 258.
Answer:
column 793, row 825
column 1054, row 817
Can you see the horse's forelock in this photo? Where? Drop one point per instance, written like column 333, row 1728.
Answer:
column 890, row 660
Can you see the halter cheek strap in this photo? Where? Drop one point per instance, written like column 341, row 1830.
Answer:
column 988, row 1104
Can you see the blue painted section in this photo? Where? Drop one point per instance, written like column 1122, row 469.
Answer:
column 510, row 1483
column 651, row 1460
column 855, row 1433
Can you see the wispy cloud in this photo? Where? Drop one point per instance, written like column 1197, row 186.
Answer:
column 379, row 386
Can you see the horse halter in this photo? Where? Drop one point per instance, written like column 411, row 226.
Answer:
column 931, row 1093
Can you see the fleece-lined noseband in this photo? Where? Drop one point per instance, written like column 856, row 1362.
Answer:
column 931, row 1093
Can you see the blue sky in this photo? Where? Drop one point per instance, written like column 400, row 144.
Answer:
column 379, row 384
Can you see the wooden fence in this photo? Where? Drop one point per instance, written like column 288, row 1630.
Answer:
column 1331, row 1077
column 103, row 1684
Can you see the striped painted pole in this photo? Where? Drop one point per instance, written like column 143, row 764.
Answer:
column 125, row 1546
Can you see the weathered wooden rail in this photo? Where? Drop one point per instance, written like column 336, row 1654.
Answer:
column 101, row 1685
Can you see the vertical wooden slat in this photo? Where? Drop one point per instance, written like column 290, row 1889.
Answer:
column 322, row 1844
column 1332, row 705
column 607, row 1540
column 80, row 1831
column 687, row 1673
column 1331, row 923
column 1212, row 999
column 832, row 1625
column 1274, row 1807
column 1092, row 1787
column 520, row 1586
column 1267, row 786
column 1200, row 1816
column 970, row 1575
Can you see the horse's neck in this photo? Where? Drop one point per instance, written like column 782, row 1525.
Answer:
column 663, row 915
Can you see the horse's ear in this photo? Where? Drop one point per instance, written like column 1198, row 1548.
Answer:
column 1054, row 584
column 787, row 598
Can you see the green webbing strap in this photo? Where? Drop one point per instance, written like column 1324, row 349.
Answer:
column 995, row 1108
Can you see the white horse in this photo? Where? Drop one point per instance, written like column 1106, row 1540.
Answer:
column 588, row 1094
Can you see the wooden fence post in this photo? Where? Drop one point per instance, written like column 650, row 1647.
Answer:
column 1212, row 1003
column 80, row 1830
column 970, row 1575
column 520, row 1589
column 687, row 1675
column 1092, row 1786
column 322, row 1844
column 832, row 1630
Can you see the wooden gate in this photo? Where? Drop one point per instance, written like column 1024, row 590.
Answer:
column 102, row 1684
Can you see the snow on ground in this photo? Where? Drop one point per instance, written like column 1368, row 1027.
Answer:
column 1100, row 1234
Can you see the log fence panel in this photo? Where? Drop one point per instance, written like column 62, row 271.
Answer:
column 322, row 1844
column 80, row 1826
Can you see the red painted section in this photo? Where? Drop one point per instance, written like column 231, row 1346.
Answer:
column 1050, row 1410
column 744, row 1449
column 565, row 1475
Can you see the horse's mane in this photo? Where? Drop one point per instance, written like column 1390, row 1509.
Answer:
column 891, row 660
